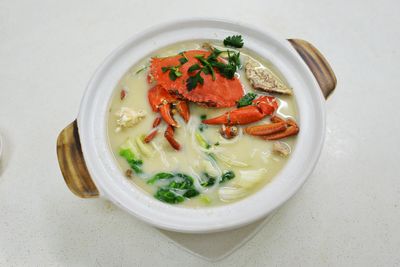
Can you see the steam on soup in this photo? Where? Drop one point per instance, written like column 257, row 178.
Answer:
column 202, row 122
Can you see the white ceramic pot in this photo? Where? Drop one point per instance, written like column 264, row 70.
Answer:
column 90, row 170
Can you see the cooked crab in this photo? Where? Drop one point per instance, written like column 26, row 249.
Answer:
column 218, row 92
column 173, row 94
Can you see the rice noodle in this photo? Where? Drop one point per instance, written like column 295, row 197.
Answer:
column 161, row 152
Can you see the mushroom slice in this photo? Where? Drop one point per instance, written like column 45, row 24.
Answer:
column 264, row 79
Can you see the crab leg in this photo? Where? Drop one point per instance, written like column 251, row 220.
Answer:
column 169, row 135
column 156, row 122
column 150, row 136
column 276, row 119
column 292, row 129
column 266, row 129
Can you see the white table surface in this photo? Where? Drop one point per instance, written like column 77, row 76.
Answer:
column 347, row 213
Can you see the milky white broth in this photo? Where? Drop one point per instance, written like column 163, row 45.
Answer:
column 249, row 149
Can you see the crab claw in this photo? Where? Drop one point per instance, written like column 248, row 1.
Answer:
column 183, row 110
column 165, row 111
column 169, row 135
column 261, row 107
column 160, row 100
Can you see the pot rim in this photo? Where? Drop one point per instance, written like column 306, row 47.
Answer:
column 113, row 185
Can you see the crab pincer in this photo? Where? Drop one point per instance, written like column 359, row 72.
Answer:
column 162, row 101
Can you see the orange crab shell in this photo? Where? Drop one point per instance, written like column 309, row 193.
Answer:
column 221, row 92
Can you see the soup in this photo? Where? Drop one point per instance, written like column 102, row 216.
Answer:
column 202, row 123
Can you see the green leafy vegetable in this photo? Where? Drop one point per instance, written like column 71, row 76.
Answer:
column 168, row 196
column 246, row 100
column 210, row 180
column 180, row 187
column 226, row 176
column 133, row 161
column 203, row 116
column 160, row 176
column 234, row 41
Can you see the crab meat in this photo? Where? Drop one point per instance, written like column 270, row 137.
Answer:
column 128, row 117
column 263, row 79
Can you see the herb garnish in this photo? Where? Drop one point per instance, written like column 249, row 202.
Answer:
column 192, row 81
column 246, row 100
column 209, row 64
column 227, row 70
column 174, row 72
column 234, row 41
column 183, row 60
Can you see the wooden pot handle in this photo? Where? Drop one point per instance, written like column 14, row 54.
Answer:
column 72, row 163
column 318, row 65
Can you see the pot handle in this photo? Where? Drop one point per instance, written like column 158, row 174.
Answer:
column 318, row 65
column 72, row 163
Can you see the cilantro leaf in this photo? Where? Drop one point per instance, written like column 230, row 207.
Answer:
column 194, row 68
column 183, row 60
column 246, row 100
column 234, row 41
column 192, row 81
